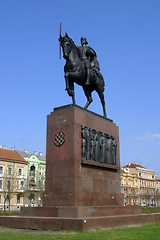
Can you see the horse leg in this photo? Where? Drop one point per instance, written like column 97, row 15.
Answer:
column 104, row 109
column 66, row 80
column 101, row 95
column 73, row 99
column 69, row 88
column 89, row 97
column 72, row 91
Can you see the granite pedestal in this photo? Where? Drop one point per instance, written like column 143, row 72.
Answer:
column 70, row 180
column 77, row 187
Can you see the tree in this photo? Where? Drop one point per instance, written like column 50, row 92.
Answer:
column 9, row 183
column 41, row 189
column 157, row 197
column 34, row 188
column 28, row 190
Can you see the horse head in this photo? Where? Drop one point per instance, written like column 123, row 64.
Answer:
column 66, row 44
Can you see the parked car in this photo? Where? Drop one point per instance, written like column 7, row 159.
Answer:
column 143, row 204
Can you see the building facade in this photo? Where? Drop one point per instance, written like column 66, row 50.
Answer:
column 129, row 187
column 12, row 179
column 35, row 177
column 158, row 190
column 138, row 184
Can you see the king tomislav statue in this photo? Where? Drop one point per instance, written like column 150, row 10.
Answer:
column 82, row 67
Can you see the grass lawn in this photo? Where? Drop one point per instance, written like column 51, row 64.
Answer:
column 146, row 231
column 10, row 213
column 150, row 209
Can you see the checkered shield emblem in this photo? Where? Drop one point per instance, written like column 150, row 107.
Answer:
column 59, row 139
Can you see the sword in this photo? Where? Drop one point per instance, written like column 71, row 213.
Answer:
column 60, row 43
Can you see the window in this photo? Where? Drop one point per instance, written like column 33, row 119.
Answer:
column 18, row 199
column 8, row 185
column 0, row 183
column 8, row 198
column 40, row 184
column 1, row 170
column 31, row 197
column 21, row 186
column 20, row 171
column 32, row 171
column 9, row 170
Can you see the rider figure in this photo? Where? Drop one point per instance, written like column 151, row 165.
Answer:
column 89, row 57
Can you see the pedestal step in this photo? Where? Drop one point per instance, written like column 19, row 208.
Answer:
column 81, row 224
column 80, row 211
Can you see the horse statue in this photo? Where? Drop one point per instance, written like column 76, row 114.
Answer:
column 75, row 71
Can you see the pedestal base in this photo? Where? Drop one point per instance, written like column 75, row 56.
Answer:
column 81, row 224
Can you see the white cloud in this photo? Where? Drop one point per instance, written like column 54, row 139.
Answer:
column 149, row 137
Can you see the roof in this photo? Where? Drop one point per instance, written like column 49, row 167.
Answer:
column 11, row 155
column 27, row 154
column 122, row 171
column 133, row 165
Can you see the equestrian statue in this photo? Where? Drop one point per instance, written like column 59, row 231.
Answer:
column 82, row 67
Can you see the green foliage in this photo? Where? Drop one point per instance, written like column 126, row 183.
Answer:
column 10, row 213
column 146, row 231
column 150, row 209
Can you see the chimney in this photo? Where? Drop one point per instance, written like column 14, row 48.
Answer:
column 12, row 148
column 129, row 164
column 40, row 153
column 35, row 152
column 4, row 147
column 26, row 151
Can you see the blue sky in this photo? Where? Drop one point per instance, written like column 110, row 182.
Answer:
column 126, row 37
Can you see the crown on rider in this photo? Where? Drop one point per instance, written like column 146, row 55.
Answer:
column 84, row 40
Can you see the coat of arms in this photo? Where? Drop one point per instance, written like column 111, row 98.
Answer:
column 59, row 139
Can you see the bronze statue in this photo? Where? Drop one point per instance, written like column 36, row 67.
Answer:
column 82, row 68
column 114, row 151
column 83, row 142
column 109, row 150
column 103, row 148
column 88, row 57
column 97, row 146
column 92, row 145
column 88, row 143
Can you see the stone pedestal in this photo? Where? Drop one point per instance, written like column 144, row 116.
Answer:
column 71, row 180
column 82, row 188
